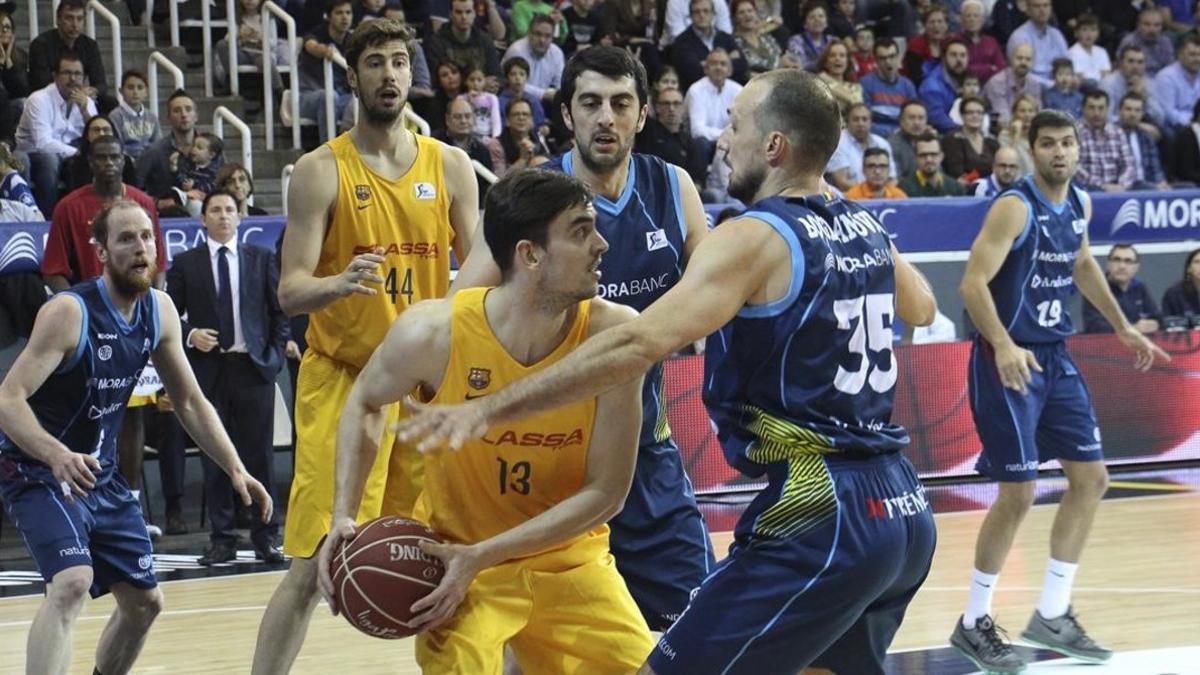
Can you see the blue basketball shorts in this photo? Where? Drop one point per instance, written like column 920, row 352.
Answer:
column 1054, row 419
column 824, row 563
column 660, row 539
column 103, row 530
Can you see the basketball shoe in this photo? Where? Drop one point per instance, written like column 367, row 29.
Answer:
column 983, row 646
column 1065, row 636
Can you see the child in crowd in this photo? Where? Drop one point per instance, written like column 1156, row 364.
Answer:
column 864, row 52
column 196, row 172
column 12, row 186
column 1091, row 61
column 486, row 105
column 1065, row 94
column 970, row 89
column 133, row 122
column 516, row 74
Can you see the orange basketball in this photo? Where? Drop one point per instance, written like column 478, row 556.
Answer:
column 379, row 574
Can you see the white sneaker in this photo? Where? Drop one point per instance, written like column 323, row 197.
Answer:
column 154, row 531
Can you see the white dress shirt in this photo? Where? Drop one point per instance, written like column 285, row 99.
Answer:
column 49, row 123
column 708, row 107
column 545, row 72
column 239, row 338
column 678, row 17
column 849, row 156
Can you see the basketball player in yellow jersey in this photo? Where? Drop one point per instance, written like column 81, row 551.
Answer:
column 373, row 215
column 525, row 507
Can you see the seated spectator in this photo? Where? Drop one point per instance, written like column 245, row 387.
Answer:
column 523, row 12
column 664, row 136
column 1105, row 160
column 692, row 46
column 969, row 151
column 1183, row 299
column 233, row 178
column 807, row 45
column 708, row 102
column 836, row 69
column 459, row 132
column 1006, row 16
column 677, row 17
column 521, row 147
column 941, row 85
column 1090, row 60
column 196, row 171
column 668, row 78
column 1185, row 160
column 546, row 60
column 886, row 90
column 1006, row 169
column 585, row 22
column 914, row 122
column 1047, row 41
column 485, row 105
column 14, row 76
column 929, row 180
column 1003, row 90
column 845, row 168
column 757, row 47
column 985, row 56
column 133, row 122
column 249, row 44
column 970, row 89
column 1015, row 134
column 876, row 184
column 516, row 74
column 365, row 10
column 1149, row 174
column 843, row 18
column 1149, row 36
column 154, row 174
column 925, row 50
column 1132, row 295
column 67, row 37
column 51, row 126
column 1179, row 83
column 331, row 38
column 628, row 23
column 1131, row 76
column 78, row 168
column 12, row 186
column 460, row 40
column 449, row 87
column 1065, row 94
column 864, row 52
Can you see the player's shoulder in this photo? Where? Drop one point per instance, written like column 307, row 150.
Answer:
column 604, row 315
column 423, row 324
column 316, row 161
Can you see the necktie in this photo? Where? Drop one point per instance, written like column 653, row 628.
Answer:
column 224, row 301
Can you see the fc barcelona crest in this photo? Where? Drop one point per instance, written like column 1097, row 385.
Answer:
column 479, row 378
column 363, row 192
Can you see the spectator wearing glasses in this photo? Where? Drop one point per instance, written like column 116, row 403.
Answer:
column 67, row 38
column 876, row 166
column 929, row 180
column 664, row 135
column 1006, row 169
column 845, row 167
column 1132, row 295
column 969, row 150
column 546, row 59
column 886, row 90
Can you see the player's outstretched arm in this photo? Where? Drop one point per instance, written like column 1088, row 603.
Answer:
column 694, row 217
column 728, row 269
column 611, row 457
column 53, row 342
column 1005, row 221
column 391, row 373
column 915, row 302
column 195, row 413
column 464, row 199
column 478, row 269
column 311, row 198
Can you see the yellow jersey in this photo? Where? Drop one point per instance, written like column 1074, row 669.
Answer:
column 410, row 219
column 518, row 469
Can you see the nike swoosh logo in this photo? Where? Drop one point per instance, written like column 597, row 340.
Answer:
column 362, row 206
column 474, row 396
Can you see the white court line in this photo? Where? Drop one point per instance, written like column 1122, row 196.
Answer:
column 1077, row 589
column 1110, row 500
column 169, row 612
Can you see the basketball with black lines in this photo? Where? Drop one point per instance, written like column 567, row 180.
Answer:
column 379, row 574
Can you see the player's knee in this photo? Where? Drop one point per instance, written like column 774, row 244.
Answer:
column 1016, row 499
column 301, row 578
column 145, row 608
column 1093, row 484
column 69, row 589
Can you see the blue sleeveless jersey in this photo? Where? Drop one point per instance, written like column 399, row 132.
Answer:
column 1035, row 282
column 645, row 230
column 812, row 372
column 82, row 404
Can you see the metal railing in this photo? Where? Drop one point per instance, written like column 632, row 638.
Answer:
column 222, row 115
column 173, row 19
column 34, row 29
column 330, row 120
column 230, row 24
column 285, row 181
column 159, row 59
column 270, row 9
column 93, row 8
column 148, row 21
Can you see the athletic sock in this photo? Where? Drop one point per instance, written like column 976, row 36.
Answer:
column 979, row 598
column 1056, row 591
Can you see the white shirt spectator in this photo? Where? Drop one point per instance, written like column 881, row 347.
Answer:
column 1048, row 44
column 50, row 124
column 12, row 211
column 1090, row 65
column 545, row 72
column 679, row 17
column 214, row 254
column 849, row 156
column 708, row 107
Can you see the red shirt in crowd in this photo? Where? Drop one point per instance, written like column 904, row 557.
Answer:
column 70, row 252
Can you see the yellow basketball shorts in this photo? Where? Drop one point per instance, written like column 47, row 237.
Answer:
column 578, row 621
column 322, row 388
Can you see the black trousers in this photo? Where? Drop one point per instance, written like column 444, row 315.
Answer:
column 246, row 405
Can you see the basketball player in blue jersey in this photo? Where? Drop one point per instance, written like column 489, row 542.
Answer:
column 800, row 382
column 652, row 217
column 1029, row 401
column 61, row 408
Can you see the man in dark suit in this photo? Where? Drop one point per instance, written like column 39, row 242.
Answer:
column 236, row 336
column 692, row 46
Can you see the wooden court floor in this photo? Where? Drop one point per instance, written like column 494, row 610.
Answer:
column 1137, row 588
